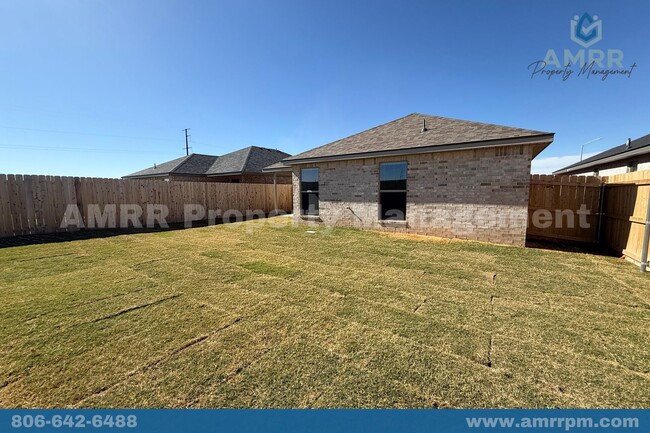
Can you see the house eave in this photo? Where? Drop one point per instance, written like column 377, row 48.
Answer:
column 614, row 158
column 277, row 170
column 145, row 176
column 231, row 173
column 537, row 139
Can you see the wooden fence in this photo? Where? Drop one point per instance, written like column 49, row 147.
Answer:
column 624, row 212
column 37, row 204
column 617, row 208
column 550, row 199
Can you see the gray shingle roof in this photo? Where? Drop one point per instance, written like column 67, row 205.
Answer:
column 194, row 164
column 277, row 167
column 406, row 133
column 249, row 160
column 637, row 147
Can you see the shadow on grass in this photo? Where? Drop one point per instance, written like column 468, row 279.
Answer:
column 571, row 247
column 83, row 234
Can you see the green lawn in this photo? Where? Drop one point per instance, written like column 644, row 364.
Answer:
column 253, row 315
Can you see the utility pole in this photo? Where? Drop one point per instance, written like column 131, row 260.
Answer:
column 187, row 141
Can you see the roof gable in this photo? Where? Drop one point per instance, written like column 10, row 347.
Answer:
column 407, row 133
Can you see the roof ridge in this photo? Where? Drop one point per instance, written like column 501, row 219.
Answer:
column 480, row 123
column 184, row 160
column 354, row 135
column 406, row 132
column 248, row 157
column 272, row 149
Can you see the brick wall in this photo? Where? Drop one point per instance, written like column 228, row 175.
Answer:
column 472, row 194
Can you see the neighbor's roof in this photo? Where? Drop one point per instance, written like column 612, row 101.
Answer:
column 640, row 146
column 277, row 167
column 249, row 160
column 403, row 134
column 194, row 164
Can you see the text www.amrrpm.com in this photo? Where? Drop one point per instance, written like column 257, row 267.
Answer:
column 560, row 423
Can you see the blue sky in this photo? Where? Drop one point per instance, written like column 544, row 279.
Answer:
column 118, row 80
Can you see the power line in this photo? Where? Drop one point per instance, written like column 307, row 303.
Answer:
column 74, row 149
column 86, row 133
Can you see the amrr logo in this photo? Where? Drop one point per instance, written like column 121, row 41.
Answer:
column 586, row 30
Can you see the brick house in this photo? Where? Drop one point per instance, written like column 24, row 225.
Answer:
column 422, row 174
column 241, row 166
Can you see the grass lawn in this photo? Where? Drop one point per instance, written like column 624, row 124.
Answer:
column 259, row 315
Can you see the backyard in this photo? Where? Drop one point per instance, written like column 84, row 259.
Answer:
column 267, row 314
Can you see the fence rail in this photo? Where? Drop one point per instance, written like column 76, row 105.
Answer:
column 37, row 204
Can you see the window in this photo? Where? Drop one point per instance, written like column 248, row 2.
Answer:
column 309, row 191
column 392, row 191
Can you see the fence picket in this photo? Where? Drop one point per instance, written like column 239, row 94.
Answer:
column 6, row 226
column 28, row 204
column 15, row 203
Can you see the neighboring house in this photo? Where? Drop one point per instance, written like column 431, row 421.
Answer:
column 422, row 174
column 632, row 156
column 278, row 167
column 188, row 168
column 244, row 165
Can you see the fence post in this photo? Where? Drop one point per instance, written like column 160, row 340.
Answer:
column 646, row 238
column 275, row 193
column 601, row 209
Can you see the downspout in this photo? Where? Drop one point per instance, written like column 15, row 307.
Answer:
column 646, row 239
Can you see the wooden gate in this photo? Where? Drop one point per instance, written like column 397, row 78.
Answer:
column 625, row 208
